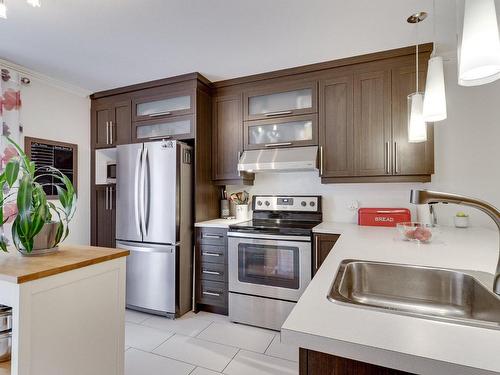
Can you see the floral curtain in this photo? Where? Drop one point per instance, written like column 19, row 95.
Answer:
column 10, row 105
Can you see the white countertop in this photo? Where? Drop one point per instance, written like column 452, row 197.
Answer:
column 407, row 343
column 219, row 223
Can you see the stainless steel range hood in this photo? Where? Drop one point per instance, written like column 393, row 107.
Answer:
column 294, row 159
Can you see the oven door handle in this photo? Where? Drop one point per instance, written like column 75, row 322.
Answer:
column 277, row 237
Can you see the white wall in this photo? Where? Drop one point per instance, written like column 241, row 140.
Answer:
column 467, row 161
column 54, row 113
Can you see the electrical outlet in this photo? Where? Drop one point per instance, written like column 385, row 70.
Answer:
column 353, row 205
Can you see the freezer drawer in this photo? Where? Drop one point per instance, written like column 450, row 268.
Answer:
column 151, row 274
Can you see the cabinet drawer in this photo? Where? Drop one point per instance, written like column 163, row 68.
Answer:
column 277, row 100
column 212, row 253
column 180, row 127
column 163, row 105
column 212, row 293
column 283, row 132
column 212, row 236
column 213, row 272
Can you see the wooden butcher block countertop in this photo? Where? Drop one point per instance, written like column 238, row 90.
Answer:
column 16, row 268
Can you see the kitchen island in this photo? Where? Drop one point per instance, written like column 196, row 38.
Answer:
column 67, row 311
column 405, row 343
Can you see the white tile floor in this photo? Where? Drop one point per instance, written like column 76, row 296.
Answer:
column 203, row 344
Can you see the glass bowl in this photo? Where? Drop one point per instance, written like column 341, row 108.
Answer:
column 416, row 232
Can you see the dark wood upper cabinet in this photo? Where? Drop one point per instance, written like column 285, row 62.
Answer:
column 164, row 105
column 409, row 158
column 336, row 131
column 227, row 136
column 111, row 122
column 293, row 131
column 280, row 99
column 372, row 123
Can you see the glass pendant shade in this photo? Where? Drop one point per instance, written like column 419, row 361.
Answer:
column 417, row 128
column 435, row 94
column 479, row 50
column 35, row 3
column 3, row 10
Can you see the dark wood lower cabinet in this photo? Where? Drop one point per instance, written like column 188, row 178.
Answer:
column 323, row 244
column 104, row 219
column 316, row 363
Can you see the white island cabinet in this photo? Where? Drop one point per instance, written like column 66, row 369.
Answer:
column 68, row 311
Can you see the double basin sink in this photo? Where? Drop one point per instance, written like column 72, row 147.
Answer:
column 433, row 293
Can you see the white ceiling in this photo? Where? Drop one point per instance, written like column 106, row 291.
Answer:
column 102, row 44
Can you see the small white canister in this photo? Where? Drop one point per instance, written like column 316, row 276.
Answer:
column 461, row 220
column 242, row 212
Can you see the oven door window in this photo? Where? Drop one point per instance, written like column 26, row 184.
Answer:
column 269, row 265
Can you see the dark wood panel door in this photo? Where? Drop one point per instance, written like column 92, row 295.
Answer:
column 105, row 216
column 102, row 115
column 336, row 132
column 372, row 123
column 316, row 363
column 409, row 158
column 227, row 136
column 323, row 244
column 121, row 126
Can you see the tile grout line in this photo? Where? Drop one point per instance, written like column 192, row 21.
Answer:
column 203, row 330
column 232, row 359
column 172, row 335
column 173, row 359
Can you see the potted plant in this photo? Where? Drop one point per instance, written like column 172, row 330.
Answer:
column 39, row 225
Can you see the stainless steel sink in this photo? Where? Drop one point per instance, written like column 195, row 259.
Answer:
column 433, row 293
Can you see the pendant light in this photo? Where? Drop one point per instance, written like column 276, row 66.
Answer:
column 417, row 128
column 435, row 94
column 35, row 3
column 3, row 9
column 479, row 45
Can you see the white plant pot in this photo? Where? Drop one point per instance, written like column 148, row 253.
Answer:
column 242, row 212
column 461, row 221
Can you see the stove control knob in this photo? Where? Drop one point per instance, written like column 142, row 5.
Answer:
column 268, row 204
column 312, row 204
column 303, row 203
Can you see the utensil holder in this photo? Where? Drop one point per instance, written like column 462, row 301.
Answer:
column 224, row 208
column 242, row 212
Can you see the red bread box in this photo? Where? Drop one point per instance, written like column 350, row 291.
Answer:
column 383, row 217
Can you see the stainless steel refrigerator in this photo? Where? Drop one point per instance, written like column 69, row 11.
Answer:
column 154, row 222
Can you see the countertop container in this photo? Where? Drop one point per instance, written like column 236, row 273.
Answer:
column 383, row 217
column 5, row 318
column 5, row 346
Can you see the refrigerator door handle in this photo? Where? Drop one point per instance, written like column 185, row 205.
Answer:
column 142, row 192
column 136, row 191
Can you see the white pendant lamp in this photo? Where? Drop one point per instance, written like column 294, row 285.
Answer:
column 479, row 49
column 3, row 9
column 435, row 93
column 35, row 3
column 417, row 128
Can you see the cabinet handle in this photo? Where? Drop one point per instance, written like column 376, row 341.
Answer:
column 106, row 200
column 157, row 114
column 321, row 160
column 160, row 137
column 111, row 133
column 212, row 294
column 316, row 252
column 211, row 272
column 107, row 132
column 239, row 156
column 387, row 164
column 211, row 254
column 111, row 198
column 278, row 144
column 396, row 167
column 206, row 235
column 278, row 113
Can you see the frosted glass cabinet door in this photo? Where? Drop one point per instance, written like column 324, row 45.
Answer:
column 283, row 132
column 179, row 127
column 280, row 100
column 163, row 106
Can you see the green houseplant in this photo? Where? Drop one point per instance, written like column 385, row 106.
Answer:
column 36, row 216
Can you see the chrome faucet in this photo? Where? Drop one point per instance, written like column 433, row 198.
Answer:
column 431, row 197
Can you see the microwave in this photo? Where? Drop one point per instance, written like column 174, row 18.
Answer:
column 111, row 173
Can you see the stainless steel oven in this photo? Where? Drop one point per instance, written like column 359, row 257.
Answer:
column 269, row 259
column 268, row 265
